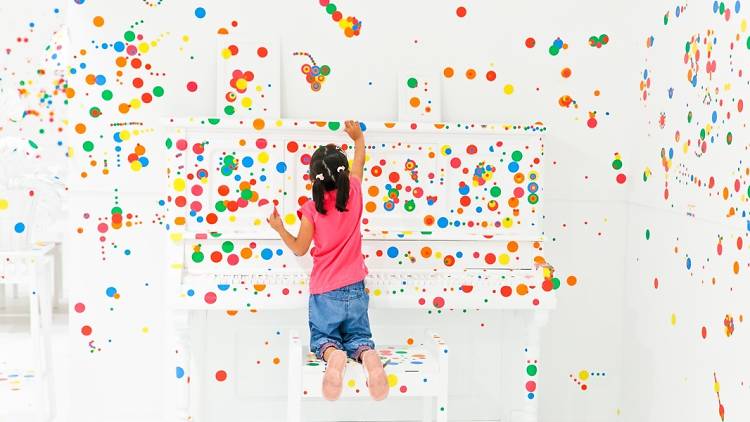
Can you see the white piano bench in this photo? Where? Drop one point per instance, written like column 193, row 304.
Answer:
column 418, row 370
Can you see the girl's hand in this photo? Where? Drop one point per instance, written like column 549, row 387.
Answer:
column 352, row 128
column 274, row 220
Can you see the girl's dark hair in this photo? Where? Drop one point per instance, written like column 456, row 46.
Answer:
column 329, row 170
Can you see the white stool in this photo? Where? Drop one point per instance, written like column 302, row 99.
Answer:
column 35, row 268
column 419, row 370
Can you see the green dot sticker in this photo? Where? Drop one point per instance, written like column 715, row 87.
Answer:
column 88, row 146
column 411, row 82
column 531, row 370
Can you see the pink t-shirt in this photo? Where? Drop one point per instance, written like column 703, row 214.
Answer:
column 337, row 251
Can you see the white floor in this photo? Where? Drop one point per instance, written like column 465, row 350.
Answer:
column 16, row 381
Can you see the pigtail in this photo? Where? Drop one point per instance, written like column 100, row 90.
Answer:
column 342, row 188
column 318, row 193
column 317, row 174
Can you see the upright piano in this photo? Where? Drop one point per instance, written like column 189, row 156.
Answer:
column 452, row 220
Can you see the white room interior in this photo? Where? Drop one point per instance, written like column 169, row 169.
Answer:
column 645, row 210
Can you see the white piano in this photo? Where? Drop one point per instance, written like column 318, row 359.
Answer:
column 452, row 221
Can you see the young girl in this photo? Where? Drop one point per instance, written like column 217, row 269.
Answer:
column 339, row 326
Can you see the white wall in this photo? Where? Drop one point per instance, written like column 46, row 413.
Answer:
column 669, row 367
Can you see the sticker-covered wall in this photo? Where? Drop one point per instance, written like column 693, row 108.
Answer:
column 130, row 63
column 687, row 293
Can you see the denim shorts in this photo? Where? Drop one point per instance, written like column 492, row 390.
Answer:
column 339, row 319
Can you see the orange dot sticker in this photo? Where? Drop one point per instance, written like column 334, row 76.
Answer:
column 98, row 21
column 80, row 128
column 566, row 72
column 414, row 102
column 471, row 73
column 448, row 72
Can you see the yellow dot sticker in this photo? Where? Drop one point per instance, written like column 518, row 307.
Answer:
column 392, row 380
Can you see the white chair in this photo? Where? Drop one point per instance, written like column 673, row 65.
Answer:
column 34, row 268
column 419, row 370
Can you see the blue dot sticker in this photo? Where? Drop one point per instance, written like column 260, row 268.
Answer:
column 200, row 12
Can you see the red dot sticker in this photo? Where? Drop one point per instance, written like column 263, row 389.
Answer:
column 86, row 330
column 461, row 11
column 79, row 307
column 192, row 86
column 210, row 298
column 530, row 42
column 262, row 51
column 221, row 376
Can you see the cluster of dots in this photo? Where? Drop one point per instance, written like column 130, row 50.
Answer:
column 583, row 376
column 617, row 166
column 414, row 101
column 556, row 46
column 471, row 74
column 532, row 370
column 599, row 41
column 645, row 85
column 314, row 75
column 350, row 25
column 137, row 158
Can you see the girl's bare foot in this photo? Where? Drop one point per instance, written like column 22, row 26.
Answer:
column 333, row 378
column 376, row 378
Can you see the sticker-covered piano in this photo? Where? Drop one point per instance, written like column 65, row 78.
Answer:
column 452, row 220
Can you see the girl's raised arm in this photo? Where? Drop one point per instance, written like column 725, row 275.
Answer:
column 354, row 131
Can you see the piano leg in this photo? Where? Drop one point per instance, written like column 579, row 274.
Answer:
column 198, row 375
column 428, row 408
column 531, row 364
column 177, row 374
